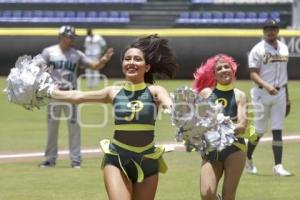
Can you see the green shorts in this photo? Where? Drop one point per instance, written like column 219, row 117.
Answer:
column 149, row 166
column 222, row 155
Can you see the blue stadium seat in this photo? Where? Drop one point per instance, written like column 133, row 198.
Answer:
column 80, row 14
column 240, row 17
column 251, row 17
column 124, row 17
column 92, row 16
column 183, row 18
column 206, row 18
column 113, row 16
column 262, row 17
column 203, row 1
column 27, row 14
column 59, row 14
column 275, row 15
column 194, row 17
column 103, row 16
column 228, row 17
column 6, row 15
column 38, row 14
column 217, row 17
column 49, row 14
column 70, row 16
column 17, row 13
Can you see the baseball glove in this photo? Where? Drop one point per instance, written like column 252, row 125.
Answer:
column 287, row 108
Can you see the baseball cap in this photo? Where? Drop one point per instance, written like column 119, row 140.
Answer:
column 68, row 31
column 270, row 23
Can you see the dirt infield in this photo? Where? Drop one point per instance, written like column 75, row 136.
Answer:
column 31, row 156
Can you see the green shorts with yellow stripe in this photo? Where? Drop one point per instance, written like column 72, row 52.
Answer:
column 137, row 163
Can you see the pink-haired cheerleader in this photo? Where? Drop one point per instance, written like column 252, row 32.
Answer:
column 214, row 80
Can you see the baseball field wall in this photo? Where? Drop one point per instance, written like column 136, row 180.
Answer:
column 191, row 46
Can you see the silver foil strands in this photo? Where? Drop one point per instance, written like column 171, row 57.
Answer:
column 29, row 83
column 200, row 122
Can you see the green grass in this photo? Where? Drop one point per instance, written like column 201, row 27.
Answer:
column 25, row 131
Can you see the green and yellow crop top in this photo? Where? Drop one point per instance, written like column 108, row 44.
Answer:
column 224, row 94
column 135, row 115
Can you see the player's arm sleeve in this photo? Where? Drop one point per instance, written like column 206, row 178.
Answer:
column 85, row 61
column 254, row 58
column 102, row 44
column 45, row 55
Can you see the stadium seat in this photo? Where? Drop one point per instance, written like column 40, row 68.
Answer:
column 228, row 17
column 194, row 17
column 59, row 14
column 206, row 18
column 183, row 18
column 38, row 14
column 275, row 15
column 49, row 14
column 80, row 15
column 124, row 17
column 6, row 15
column 17, row 14
column 92, row 16
column 27, row 14
column 240, row 17
column 203, row 1
column 262, row 17
column 73, row 1
column 113, row 16
column 251, row 17
column 103, row 16
column 217, row 17
column 70, row 16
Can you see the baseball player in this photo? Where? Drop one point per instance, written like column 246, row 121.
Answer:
column 94, row 46
column 65, row 61
column 268, row 69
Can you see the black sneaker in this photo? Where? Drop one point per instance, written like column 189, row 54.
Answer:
column 46, row 164
column 75, row 165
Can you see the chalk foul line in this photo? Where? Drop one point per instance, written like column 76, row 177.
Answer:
column 169, row 147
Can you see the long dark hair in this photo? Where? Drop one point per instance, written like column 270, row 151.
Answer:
column 158, row 54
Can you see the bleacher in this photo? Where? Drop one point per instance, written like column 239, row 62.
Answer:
column 144, row 13
column 227, row 18
column 72, row 1
column 63, row 16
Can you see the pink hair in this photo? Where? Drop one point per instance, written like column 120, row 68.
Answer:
column 204, row 75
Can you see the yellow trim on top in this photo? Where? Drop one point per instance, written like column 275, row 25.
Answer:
column 224, row 87
column 133, row 148
column 174, row 32
column 135, row 87
column 134, row 127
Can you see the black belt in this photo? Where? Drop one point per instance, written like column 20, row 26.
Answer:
column 277, row 87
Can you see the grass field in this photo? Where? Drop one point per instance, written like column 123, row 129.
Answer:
column 25, row 131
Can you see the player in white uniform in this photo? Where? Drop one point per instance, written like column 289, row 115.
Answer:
column 65, row 61
column 268, row 69
column 94, row 45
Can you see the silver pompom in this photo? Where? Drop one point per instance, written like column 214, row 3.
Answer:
column 29, row 83
column 200, row 122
